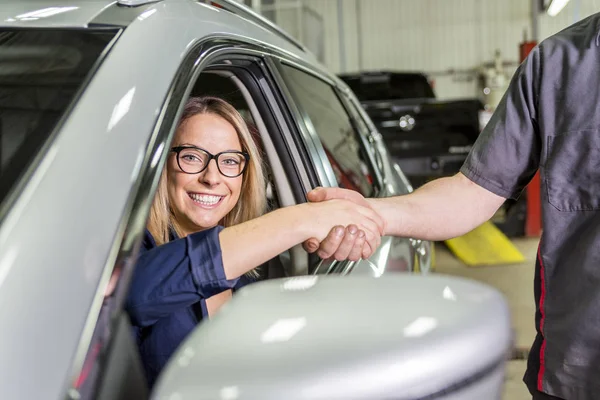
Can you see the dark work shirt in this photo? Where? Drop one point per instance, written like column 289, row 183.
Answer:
column 549, row 119
column 167, row 296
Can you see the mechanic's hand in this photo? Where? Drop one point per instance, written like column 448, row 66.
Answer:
column 341, row 244
column 330, row 193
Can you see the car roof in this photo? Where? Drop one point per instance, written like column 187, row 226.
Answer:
column 205, row 18
column 50, row 13
column 94, row 13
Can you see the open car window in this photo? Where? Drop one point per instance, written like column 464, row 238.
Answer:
column 41, row 72
column 234, row 84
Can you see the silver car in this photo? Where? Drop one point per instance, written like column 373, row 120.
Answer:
column 90, row 94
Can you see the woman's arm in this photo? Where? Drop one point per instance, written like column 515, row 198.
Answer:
column 251, row 243
column 203, row 264
column 213, row 304
column 442, row 209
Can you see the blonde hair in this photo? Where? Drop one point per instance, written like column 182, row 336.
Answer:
column 252, row 201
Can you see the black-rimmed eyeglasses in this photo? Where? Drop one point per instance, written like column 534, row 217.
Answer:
column 193, row 160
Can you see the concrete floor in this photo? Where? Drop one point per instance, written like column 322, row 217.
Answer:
column 516, row 282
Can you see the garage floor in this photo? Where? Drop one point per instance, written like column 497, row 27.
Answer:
column 516, row 282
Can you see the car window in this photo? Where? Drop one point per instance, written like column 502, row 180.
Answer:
column 334, row 127
column 40, row 73
column 360, row 123
column 363, row 127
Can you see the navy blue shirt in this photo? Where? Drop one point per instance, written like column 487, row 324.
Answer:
column 167, row 296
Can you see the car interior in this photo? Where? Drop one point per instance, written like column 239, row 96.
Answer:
column 226, row 85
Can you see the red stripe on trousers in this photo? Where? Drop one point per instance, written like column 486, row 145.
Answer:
column 542, row 319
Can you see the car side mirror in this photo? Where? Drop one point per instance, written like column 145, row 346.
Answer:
column 333, row 337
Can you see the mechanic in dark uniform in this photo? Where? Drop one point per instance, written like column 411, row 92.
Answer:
column 549, row 120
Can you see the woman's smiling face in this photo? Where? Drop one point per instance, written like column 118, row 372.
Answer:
column 200, row 201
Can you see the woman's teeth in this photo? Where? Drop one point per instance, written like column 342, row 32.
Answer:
column 205, row 199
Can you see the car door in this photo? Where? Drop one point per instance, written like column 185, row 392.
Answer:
column 108, row 366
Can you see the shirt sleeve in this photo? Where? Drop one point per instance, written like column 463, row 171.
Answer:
column 506, row 155
column 176, row 275
column 244, row 281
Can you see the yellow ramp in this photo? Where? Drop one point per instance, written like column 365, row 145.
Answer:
column 485, row 245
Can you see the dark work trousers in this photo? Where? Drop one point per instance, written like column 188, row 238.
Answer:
column 544, row 396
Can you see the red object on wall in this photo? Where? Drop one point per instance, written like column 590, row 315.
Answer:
column 533, row 220
column 525, row 48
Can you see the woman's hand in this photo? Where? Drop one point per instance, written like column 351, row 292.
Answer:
column 341, row 244
column 251, row 243
column 363, row 228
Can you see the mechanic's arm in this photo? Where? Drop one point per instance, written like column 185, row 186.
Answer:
column 440, row 210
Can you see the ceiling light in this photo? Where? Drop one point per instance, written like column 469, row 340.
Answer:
column 556, row 6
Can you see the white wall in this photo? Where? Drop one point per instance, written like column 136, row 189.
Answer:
column 434, row 36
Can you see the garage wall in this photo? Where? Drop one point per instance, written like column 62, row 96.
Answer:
column 448, row 39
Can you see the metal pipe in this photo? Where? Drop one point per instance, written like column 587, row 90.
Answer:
column 300, row 21
column 341, row 39
column 577, row 11
column 359, row 35
column 535, row 12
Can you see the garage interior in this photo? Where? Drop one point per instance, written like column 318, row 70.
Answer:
column 467, row 50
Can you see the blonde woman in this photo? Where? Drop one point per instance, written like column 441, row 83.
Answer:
column 207, row 229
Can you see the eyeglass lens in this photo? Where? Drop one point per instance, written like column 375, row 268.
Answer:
column 193, row 161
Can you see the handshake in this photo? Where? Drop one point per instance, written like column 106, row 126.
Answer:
column 348, row 225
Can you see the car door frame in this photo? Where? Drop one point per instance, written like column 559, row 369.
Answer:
column 308, row 146
column 374, row 265
column 127, row 241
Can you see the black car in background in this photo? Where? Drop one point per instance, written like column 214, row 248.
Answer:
column 427, row 137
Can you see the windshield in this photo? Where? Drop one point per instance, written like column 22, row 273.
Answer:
column 40, row 73
column 388, row 86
